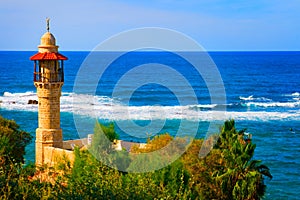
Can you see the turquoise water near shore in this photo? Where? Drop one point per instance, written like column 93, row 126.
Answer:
column 262, row 90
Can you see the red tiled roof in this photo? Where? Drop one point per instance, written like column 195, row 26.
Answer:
column 48, row 56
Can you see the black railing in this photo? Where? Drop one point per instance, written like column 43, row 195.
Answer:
column 48, row 77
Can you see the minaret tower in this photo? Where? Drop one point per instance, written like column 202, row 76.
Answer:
column 48, row 79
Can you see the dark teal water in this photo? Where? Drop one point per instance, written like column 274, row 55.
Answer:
column 262, row 92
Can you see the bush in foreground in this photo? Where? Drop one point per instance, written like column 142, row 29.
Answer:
column 227, row 172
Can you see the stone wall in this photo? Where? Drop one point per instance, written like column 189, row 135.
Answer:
column 46, row 138
column 54, row 156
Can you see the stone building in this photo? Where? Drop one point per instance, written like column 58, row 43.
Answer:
column 48, row 80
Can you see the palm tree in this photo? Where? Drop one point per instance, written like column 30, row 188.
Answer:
column 239, row 177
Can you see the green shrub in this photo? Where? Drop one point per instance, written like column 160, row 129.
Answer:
column 227, row 172
column 12, row 142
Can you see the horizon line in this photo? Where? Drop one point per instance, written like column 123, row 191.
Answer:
column 234, row 50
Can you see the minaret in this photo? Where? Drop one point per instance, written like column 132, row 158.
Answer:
column 48, row 79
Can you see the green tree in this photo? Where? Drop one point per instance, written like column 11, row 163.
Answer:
column 12, row 142
column 238, row 176
column 228, row 171
column 102, row 147
column 12, row 151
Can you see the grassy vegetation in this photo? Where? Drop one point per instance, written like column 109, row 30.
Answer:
column 227, row 172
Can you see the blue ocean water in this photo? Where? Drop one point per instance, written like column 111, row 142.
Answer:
column 262, row 95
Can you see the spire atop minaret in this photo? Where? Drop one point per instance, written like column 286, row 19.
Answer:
column 48, row 23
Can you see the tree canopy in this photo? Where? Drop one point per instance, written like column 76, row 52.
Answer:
column 12, row 142
column 227, row 172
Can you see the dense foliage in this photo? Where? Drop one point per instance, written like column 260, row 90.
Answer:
column 12, row 150
column 227, row 172
column 12, row 142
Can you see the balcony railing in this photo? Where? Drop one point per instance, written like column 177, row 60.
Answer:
column 48, row 77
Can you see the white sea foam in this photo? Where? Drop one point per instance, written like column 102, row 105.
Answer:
column 26, row 94
column 266, row 102
column 247, row 98
column 108, row 108
column 263, row 99
column 296, row 99
column 203, row 106
column 18, row 101
column 296, row 94
column 251, row 98
column 274, row 104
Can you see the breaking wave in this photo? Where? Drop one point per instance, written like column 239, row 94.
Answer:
column 295, row 94
column 108, row 108
column 265, row 102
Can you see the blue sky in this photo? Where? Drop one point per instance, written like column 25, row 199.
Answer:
column 215, row 24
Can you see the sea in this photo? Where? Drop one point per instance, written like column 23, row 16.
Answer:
column 262, row 95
